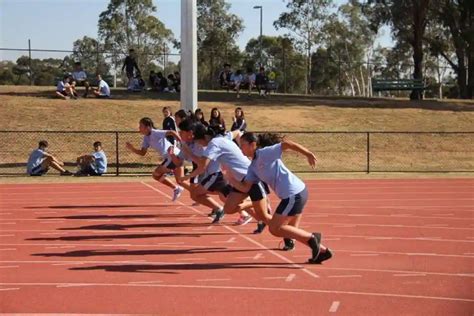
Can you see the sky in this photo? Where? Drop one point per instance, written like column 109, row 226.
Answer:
column 56, row 24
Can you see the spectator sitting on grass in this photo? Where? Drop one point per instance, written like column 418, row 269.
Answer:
column 177, row 77
column 261, row 81
column 152, row 79
column 64, row 89
column 216, row 118
column 174, row 83
column 249, row 80
column 162, row 83
column 199, row 117
column 103, row 90
column 236, row 80
column 94, row 164
column 79, row 78
column 225, row 77
column 40, row 161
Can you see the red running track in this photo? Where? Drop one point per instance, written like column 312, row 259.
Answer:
column 402, row 247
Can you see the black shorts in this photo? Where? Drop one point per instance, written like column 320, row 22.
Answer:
column 257, row 192
column 168, row 163
column 215, row 183
column 293, row 205
column 90, row 171
column 64, row 93
column 38, row 171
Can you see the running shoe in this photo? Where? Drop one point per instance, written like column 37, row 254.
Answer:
column 243, row 220
column 177, row 193
column 219, row 216
column 289, row 244
column 260, row 228
column 323, row 256
column 314, row 242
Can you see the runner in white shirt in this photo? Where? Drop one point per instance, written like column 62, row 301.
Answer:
column 156, row 139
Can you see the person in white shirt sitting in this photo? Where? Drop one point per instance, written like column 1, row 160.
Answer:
column 103, row 90
column 236, row 80
column 64, row 89
column 79, row 78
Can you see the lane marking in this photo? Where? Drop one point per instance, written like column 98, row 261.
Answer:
column 334, row 306
column 290, row 277
column 346, row 276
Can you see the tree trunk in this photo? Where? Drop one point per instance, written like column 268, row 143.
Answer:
column 417, row 51
column 363, row 81
column 470, row 74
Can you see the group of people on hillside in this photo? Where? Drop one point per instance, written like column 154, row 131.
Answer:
column 67, row 87
column 238, row 80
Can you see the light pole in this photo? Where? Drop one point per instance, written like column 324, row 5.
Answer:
column 261, row 21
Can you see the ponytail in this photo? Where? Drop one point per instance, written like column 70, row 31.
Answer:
column 148, row 122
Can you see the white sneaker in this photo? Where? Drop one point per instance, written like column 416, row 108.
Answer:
column 177, row 193
column 243, row 220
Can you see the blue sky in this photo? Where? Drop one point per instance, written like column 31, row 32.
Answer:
column 56, row 24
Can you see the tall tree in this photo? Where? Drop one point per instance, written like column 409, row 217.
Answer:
column 90, row 53
column 128, row 24
column 408, row 19
column 456, row 33
column 280, row 55
column 217, row 33
column 304, row 20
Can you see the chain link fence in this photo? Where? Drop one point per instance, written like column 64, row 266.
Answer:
column 336, row 151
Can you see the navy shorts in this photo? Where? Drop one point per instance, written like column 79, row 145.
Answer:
column 38, row 171
column 293, row 205
column 216, row 183
column 90, row 170
column 257, row 192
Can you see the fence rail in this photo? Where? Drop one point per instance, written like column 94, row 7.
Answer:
column 358, row 152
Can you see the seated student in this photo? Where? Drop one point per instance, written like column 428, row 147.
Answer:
column 199, row 117
column 238, row 120
column 161, row 83
column 249, row 80
column 40, row 161
column 103, row 90
column 216, row 119
column 225, row 77
column 174, row 83
column 79, row 78
column 177, row 77
column 94, row 164
column 64, row 89
column 236, row 80
column 261, row 81
column 152, row 80
column 137, row 84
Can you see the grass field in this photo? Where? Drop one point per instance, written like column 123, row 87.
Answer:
column 33, row 108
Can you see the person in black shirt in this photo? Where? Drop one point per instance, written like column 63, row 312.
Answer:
column 216, row 119
column 225, row 76
column 261, row 81
column 199, row 117
column 169, row 124
column 162, row 83
column 130, row 64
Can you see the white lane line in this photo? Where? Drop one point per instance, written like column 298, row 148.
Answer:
column 290, row 277
column 258, row 256
column 346, row 276
column 229, row 241
column 293, row 264
column 5, row 213
column 146, row 282
column 274, row 278
column 6, row 267
column 12, row 223
column 212, row 280
column 67, row 264
column 191, row 259
column 8, row 235
column 46, row 212
column 364, row 255
column 8, row 249
column 10, row 289
column 272, row 289
column 410, row 275
column 46, row 234
column 334, row 306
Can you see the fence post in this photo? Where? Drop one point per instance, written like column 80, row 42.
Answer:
column 368, row 152
column 117, row 156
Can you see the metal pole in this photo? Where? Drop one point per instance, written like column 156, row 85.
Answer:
column 189, row 55
column 261, row 33
column 117, row 156
column 368, row 152
column 29, row 62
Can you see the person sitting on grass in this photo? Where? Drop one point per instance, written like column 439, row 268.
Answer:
column 224, row 77
column 40, row 161
column 64, row 90
column 79, row 78
column 161, row 83
column 103, row 90
column 94, row 164
column 236, row 80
